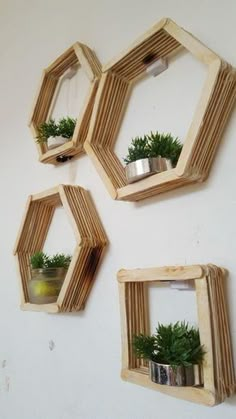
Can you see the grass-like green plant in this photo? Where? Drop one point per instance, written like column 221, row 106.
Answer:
column 139, row 149
column 165, row 145
column 41, row 260
column 174, row 344
column 154, row 145
column 65, row 128
column 38, row 260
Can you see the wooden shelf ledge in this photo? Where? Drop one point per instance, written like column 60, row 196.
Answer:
column 118, row 78
column 218, row 369
column 81, row 55
column 90, row 238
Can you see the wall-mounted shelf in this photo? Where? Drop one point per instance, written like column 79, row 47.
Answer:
column 213, row 109
column 218, row 369
column 90, row 243
column 81, row 55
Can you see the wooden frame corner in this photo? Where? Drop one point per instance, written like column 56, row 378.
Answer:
column 90, row 244
column 213, row 109
column 77, row 54
column 218, row 369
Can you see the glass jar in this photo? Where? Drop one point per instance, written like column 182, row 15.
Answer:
column 45, row 285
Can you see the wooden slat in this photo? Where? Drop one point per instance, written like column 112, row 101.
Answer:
column 192, row 394
column 198, row 116
column 192, row 44
column 22, row 226
column 218, row 369
column 205, row 330
column 166, row 273
column 47, row 95
column 90, row 243
column 147, row 35
column 46, row 308
column 205, row 132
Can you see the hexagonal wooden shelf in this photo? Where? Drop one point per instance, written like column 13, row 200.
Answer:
column 218, row 369
column 80, row 55
column 90, row 238
column 213, row 109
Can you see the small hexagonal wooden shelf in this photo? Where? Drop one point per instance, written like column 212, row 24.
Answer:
column 218, row 369
column 80, row 55
column 90, row 238
column 213, row 109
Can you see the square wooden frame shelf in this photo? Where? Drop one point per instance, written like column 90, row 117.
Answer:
column 90, row 244
column 213, row 109
column 218, row 369
column 80, row 55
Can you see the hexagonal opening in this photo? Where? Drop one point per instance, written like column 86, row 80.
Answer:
column 60, row 237
column 90, row 242
column 71, row 94
column 153, row 99
column 216, row 100
column 56, row 96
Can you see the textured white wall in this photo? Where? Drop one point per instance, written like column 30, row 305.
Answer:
column 79, row 378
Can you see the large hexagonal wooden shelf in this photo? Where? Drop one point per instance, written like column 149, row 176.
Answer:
column 213, row 109
column 80, row 55
column 208, row 281
column 90, row 238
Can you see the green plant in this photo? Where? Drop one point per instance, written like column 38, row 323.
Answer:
column 65, row 128
column 59, row 261
column 46, row 130
column 139, row 149
column 40, row 260
column 153, row 145
column 165, row 145
column 174, row 344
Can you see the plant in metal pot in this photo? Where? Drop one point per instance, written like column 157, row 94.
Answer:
column 47, row 276
column 165, row 146
column 138, row 150
column 174, row 353
column 151, row 154
column 55, row 134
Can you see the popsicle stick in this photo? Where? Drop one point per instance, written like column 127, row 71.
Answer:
column 213, row 110
column 90, row 243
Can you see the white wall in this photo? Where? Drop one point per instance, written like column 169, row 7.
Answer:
column 79, row 378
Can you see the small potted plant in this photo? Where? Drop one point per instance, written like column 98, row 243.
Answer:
column 47, row 276
column 174, row 353
column 153, row 153
column 56, row 134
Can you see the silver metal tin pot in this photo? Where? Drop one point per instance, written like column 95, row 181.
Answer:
column 178, row 376
column 142, row 168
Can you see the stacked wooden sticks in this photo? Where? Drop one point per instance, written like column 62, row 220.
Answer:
column 90, row 237
column 221, row 343
column 88, row 253
column 218, row 368
column 80, row 55
column 213, row 110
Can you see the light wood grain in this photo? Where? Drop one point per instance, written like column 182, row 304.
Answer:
column 81, row 55
column 192, row 394
column 166, row 273
column 218, row 368
column 212, row 112
column 90, row 238
column 46, row 308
